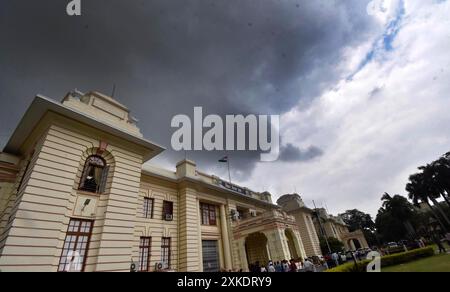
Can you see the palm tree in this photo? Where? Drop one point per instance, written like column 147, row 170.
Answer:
column 441, row 170
column 418, row 192
column 435, row 184
column 401, row 209
column 438, row 175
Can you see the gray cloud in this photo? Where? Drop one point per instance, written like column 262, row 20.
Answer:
column 168, row 56
column 375, row 92
column 291, row 153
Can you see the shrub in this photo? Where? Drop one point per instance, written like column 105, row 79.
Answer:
column 350, row 268
column 386, row 261
column 395, row 250
column 405, row 257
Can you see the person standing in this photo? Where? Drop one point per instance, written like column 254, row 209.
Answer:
column 335, row 258
column 439, row 244
column 308, row 266
column 278, row 267
column 285, row 266
column 292, row 266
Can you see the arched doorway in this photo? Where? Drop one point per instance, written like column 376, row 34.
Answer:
column 256, row 249
column 354, row 244
column 291, row 244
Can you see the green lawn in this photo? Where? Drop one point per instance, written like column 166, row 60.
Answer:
column 438, row 263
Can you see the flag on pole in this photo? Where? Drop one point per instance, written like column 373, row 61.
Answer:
column 227, row 161
column 224, row 159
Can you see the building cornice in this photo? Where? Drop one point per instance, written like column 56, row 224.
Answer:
column 41, row 105
column 208, row 185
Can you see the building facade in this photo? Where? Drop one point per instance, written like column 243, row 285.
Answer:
column 333, row 226
column 304, row 217
column 77, row 195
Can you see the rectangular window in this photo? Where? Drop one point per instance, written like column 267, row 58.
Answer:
column 76, row 246
column 208, row 214
column 167, row 211
column 144, row 254
column 210, row 257
column 148, row 208
column 165, row 252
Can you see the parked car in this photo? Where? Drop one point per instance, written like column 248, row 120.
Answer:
column 411, row 245
column 392, row 245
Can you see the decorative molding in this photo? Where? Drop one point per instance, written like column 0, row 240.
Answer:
column 102, row 147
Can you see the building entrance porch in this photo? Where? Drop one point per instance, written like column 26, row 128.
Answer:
column 272, row 235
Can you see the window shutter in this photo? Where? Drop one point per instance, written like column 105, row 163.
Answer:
column 102, row 186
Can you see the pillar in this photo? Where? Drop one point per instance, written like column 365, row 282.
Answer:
column 242, row 254
column 225, row 238
column 352, row 244
column 277, row 244
column 189, row 251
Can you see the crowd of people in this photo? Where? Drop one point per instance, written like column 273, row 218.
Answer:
column 318, row 264
column 294, row 265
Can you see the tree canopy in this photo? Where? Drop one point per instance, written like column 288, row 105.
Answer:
column 394, row 218
column 358, row 220
column 335, row 245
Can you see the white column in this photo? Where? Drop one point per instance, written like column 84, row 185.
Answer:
column 243, row 255
column 225, row 239
column 200, row 242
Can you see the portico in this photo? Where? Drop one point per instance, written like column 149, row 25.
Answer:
column 272, row 235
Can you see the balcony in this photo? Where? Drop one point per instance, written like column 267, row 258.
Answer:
column 273, row 217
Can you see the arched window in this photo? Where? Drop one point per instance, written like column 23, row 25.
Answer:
column 95, row 174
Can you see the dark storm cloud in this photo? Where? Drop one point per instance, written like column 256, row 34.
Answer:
column 291, row 153
column 165, row 57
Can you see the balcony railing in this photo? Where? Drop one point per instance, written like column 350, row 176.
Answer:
column 266, row 217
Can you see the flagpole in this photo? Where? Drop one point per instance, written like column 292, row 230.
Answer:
column 229, row 173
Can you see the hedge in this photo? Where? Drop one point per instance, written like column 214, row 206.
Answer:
column 386, row 261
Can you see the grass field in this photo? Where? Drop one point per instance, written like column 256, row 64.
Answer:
column 437, row 263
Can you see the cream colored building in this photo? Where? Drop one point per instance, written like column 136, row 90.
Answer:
column 334, row 226
column 78, row 194
column 304, row 217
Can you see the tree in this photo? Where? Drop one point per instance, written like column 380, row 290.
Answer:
column 357, row 220
column 422, row 187
column 432, row 183
column 394, row 218
column 335, row 245
column 389, row 228
column 438, row 173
